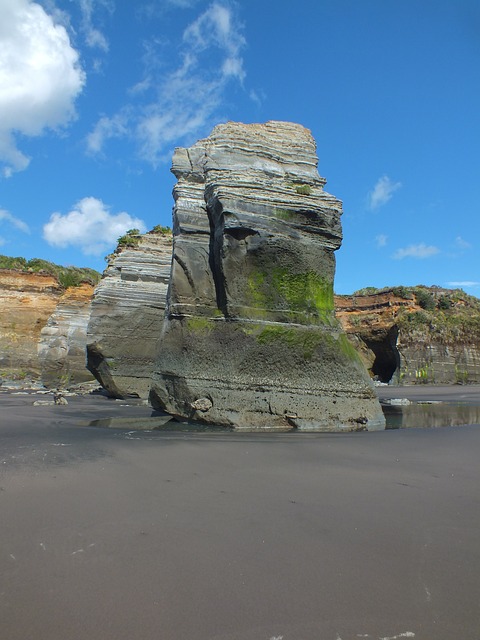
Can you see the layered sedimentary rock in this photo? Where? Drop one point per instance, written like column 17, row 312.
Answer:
column 127, row 315
column 250, row 337
column 26, row 302
column 62, row 343
column 415, row 335
column 43, row 327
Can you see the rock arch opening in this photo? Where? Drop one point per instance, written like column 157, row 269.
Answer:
column 386, row 366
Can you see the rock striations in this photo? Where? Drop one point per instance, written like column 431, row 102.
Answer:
column 61, row 348
column 127, row 315
column 250, row 338
column 43, row 326
column 26, row 302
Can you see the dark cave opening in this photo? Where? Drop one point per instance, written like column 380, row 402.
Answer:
column 386, row 366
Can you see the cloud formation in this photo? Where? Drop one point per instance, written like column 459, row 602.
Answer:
column 40, row 77
column 419, row 251
column 106, row 128
column 215, row 27
column 89, row 226
column 463, row 283
column 6, row 216
column 381, row 240
column 462, row 244
column 382, row 192
column 186, row 98
column 94, row 38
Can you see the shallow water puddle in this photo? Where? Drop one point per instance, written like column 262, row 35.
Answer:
column 416, row 415
column 430, row 414
column 156, row 423
column 132, row 423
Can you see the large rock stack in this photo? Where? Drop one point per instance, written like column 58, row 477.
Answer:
column 250, row 337
column 127, row 315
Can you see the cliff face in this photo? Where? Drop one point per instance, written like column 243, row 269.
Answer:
column 250, row 338
column 26, row 302
column 415, row 335
column 62, row 343
column 43, row 327
column 127, row 314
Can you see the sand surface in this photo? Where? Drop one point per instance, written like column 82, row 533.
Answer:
column 110, row 534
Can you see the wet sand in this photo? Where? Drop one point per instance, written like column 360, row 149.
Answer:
column 110, row 534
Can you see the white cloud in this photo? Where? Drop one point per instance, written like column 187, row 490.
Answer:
column 94, row 38
column 151, row 10
column 40, row 77
column 89, row 226
column 381, row 240
column 15, row 222
column 181, row 4
column 258, row 97
column 463, row 283
column 462, row 244
column 382, row 192
column 216, row 27
column 105, row 129
column 176, row 105
column 416, row 251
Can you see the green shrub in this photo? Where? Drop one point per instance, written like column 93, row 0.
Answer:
column 130, row 239
column 444, row 302
column 366, row 291
column 303, row 189
column 425, row 299
column 164, row 231
column 66, row 276
column 402, row 292
column 7, row 262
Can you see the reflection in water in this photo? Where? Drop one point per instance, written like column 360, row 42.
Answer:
column 137, row 423
column 416, row 415
column 156, row 423
column 421, row 415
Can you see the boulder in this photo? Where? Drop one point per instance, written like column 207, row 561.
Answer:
column 250, row 338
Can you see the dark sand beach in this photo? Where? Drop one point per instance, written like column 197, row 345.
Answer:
column 109, row 534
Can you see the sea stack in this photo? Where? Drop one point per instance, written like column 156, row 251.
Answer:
column 250, row 339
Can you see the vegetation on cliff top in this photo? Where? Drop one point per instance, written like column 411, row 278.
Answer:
column 132, row 237
column 66, row 276
column 447, row 316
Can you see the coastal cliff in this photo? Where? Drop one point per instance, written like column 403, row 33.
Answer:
column 44, row 310
column 250, row 338
column 27, row 300
column 415, row 335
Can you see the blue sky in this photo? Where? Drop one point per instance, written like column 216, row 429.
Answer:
column 95, row 94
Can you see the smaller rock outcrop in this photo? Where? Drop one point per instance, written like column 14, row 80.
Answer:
column 44, row 311
column 27, row 300
column 63, row 340
column 127, row 314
